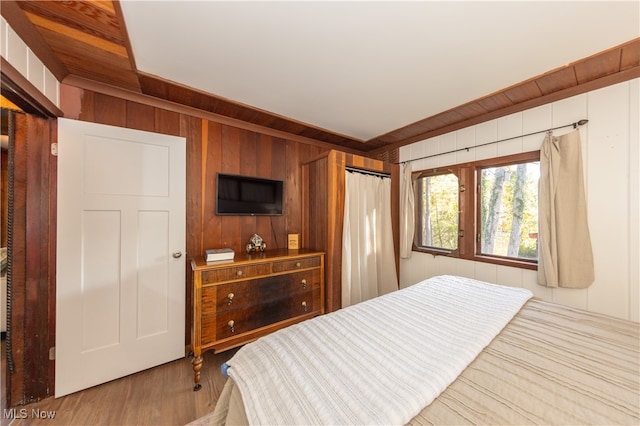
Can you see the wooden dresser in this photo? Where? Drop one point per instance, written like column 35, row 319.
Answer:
column 256, row 294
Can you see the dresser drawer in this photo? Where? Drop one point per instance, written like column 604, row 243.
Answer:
column 237, row 321
column 235, row 273
column 293, row 264
column 241, row 294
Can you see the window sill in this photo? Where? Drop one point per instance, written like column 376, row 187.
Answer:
column 496, row 260
column 505, row 261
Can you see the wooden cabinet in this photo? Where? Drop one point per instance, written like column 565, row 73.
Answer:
column 323, row 183
column 256, row 294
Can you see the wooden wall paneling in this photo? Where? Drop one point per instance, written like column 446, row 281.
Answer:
column 274, row 161
column 37, row 252
column 305, row 204
column 248, row 166
column 140, row 116
column 194, row 130
column 264, row 167
column 306, row 154
column 293, row 193
column 168, row 122
column 314, row 225
column 230, row 232
column 247, row 158
column 322, row 227
column 267, row 161
column 16, row 335
column 335, row 184
column 32, row 260
column 280, row 165
column 109, row 110
column 211, row 163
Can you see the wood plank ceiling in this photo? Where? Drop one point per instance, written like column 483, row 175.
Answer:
column 87, row 40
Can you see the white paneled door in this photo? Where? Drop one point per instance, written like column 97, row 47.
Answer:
column 120, row 302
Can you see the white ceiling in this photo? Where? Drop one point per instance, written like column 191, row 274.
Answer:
column 365, row 68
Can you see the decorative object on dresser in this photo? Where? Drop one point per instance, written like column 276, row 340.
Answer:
column 293, row 241
column 256, row 243
column 216, row 255
column 256, row 294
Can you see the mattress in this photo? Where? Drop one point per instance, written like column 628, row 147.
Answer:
column 549, row 365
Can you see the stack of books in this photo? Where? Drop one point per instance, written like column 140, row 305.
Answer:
column 218, row 255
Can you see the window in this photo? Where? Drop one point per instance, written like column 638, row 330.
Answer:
column 497, row 222
column 437, row 211
column 509, row 210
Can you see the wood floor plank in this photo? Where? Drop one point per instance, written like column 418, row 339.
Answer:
column 162, row 395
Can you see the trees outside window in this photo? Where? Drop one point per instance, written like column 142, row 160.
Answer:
column 485, row 211
column 437, row 211
column 509, row 210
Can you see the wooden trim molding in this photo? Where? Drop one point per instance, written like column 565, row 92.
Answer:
column 23, row 93
column 31, row 259
column 82, row 83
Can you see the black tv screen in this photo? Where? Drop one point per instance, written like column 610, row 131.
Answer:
column 246, row 195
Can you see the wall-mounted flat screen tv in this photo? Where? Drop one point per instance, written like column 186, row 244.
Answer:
column 247, row 195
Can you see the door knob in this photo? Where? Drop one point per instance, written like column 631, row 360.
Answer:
column 177, row 254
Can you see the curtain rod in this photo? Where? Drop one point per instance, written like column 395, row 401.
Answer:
column 575, row 126
column 367, row 172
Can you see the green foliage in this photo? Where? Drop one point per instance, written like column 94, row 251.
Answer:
column 438, row 208
column 527, row 247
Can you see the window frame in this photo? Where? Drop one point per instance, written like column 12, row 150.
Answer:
column 469, row 210
column 430, row 173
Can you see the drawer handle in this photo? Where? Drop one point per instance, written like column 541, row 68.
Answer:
column 304, row 283
column 297, row 264
column 230, row 296
column 304, row 306
column 239, row 273
column 232, row 326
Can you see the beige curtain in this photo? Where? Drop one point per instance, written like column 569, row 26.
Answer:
column 565, row 258
column 407, row 212
column 368, row 259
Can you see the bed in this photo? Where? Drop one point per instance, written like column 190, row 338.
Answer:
column 448, row 350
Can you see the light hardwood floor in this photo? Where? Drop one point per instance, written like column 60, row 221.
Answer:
column 162, row 395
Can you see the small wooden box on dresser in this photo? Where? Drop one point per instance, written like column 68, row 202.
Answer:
column 256, row 294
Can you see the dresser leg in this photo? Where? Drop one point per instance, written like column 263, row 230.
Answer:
column 197, row 365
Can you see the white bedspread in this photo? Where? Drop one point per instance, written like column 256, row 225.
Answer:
column 377, row 362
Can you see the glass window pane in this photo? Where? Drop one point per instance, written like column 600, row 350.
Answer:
column 437, row 211
column 509, row 210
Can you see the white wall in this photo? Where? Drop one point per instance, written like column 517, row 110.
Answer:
column 612, row 172
column 18, row 54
